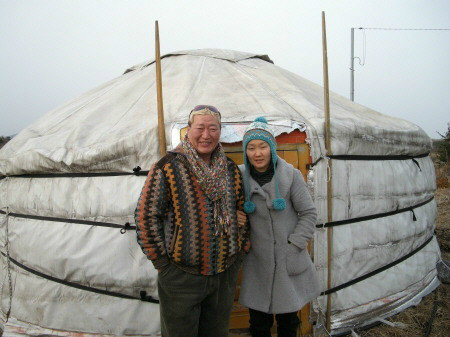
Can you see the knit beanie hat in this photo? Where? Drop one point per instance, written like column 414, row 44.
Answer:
column 259, row 129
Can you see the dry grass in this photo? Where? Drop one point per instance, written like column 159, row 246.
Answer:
column 443, row 221
column 433, row 309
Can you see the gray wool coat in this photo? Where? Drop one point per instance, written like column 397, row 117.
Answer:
column 278, row 274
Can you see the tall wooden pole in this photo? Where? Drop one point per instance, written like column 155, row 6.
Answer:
column 161, row 128
column 328, row 149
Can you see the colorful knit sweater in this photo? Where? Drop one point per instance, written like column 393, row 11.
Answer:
column 174, row 219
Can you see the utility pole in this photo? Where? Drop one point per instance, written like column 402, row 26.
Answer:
column 352, row 66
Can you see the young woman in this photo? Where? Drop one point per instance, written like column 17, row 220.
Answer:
column 278, row 274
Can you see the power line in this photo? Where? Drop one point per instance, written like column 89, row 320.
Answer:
column 352, row 57
column 404, row 28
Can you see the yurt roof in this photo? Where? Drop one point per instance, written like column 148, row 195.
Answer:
column 111, row 127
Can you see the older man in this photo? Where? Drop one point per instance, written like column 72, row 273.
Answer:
column 188, row 226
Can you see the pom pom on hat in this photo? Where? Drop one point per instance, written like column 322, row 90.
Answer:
column 260, row 119
column 249, row 207
column 279, row 204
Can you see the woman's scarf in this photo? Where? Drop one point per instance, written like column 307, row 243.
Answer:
column 213, row 180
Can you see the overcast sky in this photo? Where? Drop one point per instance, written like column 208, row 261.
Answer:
column 54, row 50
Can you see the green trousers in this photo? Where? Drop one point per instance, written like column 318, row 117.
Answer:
column 196, row 305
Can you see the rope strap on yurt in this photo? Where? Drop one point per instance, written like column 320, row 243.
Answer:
column 123, row 228
column 375, row 216
column 136, row 172
column 143, row 293
column 364, row 157
column 377, row 271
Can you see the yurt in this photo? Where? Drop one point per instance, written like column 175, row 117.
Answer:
column 69, row 183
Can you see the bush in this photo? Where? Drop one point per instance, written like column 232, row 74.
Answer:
column 4, row 140
column 443, row 147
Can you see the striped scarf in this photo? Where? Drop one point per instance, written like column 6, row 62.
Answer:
column 213, row 180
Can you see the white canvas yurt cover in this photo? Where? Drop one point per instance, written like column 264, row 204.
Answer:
column 69, row 184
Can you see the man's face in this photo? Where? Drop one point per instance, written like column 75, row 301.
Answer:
column 204, row 135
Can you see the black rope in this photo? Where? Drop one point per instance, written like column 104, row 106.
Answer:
column 376, row 271
column 123, row 228
column 83, row 287
column 414, row 215
column 371, row 157
column 375, row 216
column 136, row 171
column 126, row 227
column 417, row 163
